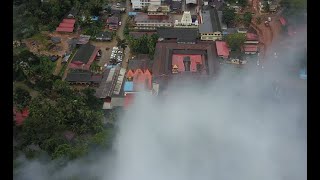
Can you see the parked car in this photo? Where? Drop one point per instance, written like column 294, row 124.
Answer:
column 107, row 48
column 269, row 19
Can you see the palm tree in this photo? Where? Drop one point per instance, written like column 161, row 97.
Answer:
column 122, row 43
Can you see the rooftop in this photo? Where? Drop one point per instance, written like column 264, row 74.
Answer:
column 181, row 34
column 105, row 34
column 162, row 65
column 140, row 34
column 157, row 8
column 222, row 49
column 144, row 18
column 78, row 77
column 140, row 63
column 84, row 53
column 252, row 37
column 250, row 48
column 210, row 21
column 113, row 20
column 176, row 5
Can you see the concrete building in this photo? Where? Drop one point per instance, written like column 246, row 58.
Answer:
column 157, row 10
column 143, row 21
column 139, row 4
column 209, row 27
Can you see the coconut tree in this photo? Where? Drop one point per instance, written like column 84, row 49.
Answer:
column 122, row 43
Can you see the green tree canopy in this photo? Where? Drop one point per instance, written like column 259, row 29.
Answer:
column 247, row 17
column 228, row 15
column 21, row 98
column 235, row 41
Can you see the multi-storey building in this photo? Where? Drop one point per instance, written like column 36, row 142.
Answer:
column 143, row 21
column 139, row 4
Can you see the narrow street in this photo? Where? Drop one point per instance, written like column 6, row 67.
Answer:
column 103, row 45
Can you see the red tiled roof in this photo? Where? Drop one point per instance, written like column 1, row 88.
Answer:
column 250, row 48
column 20, row 116
column 222, row 49
column 66, row 25
column 282, row 21
column 177, row 59
column 63, row 29
column 252, row 37
column 140, row 78
column 69, row 21
column 129, row 74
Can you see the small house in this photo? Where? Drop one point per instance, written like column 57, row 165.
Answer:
column 222, row 49
column 104, row 36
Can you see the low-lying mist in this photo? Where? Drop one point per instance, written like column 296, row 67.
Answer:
column 230, row 128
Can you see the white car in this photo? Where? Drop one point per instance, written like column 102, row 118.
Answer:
column 120, row 23
column 269, row 19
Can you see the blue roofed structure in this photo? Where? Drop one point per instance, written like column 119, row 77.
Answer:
column 128, row 86
column 94, row 18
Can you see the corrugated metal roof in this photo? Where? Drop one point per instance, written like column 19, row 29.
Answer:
column 119, row 81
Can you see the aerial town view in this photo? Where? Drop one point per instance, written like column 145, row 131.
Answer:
column 159, row 89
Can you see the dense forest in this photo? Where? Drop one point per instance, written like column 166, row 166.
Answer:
column 63, row 122
column 33, row 16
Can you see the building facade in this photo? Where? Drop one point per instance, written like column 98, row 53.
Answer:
column 139, row 4
column 186, row 21
column 144, row 21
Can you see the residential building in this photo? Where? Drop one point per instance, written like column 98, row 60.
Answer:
column 179, row 35
column 104, row 36
column 143, row 21
column 113, row 22
column 157, row 10
column 252, row 38
column 222, row 49
column 186, row 21
column 209, row 27
column 139, row 4
column 84, row 57
column 191, row 2
column 67, row 25
column 84, row 78
column 250, row 48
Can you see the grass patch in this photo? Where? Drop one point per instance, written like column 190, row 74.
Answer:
column 41, row 38
column 63, row 69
